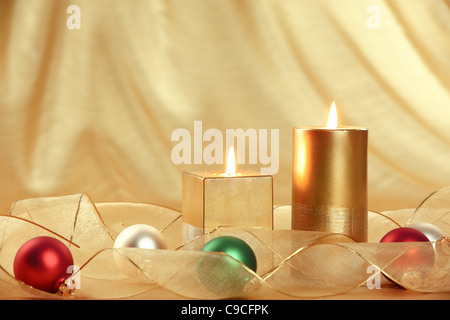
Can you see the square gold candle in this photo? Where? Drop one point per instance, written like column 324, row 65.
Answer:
column 213, row 199
column 230, row 198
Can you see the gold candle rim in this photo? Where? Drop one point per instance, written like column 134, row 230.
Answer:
column 321, row 128
column 223, row 175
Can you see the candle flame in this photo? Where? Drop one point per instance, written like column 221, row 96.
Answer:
column 332, row 117
column 231, row 163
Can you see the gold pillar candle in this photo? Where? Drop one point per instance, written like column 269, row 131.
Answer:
column 329, row 179
column 213, row 199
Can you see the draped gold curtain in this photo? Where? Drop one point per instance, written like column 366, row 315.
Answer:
column 93, row 109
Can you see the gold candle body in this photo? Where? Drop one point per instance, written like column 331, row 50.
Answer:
column 212, row 199
column 329, row 181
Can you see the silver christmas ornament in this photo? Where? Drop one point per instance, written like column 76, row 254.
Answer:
column 432, row 232
column 141, row 236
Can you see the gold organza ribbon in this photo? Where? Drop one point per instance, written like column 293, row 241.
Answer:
column 291, row 263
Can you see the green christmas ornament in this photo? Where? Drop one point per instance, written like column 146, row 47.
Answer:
column 235, row 248
column 224, row 274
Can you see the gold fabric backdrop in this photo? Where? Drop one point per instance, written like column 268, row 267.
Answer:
column 93, row 109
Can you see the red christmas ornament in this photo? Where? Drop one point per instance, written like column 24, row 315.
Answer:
column 419, row 258
column 404, row 235
column 42, row 263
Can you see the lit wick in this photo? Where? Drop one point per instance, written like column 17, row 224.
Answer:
column 231, row 163
column 332, row 117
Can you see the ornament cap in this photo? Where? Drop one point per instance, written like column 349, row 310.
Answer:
column 63, row 287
